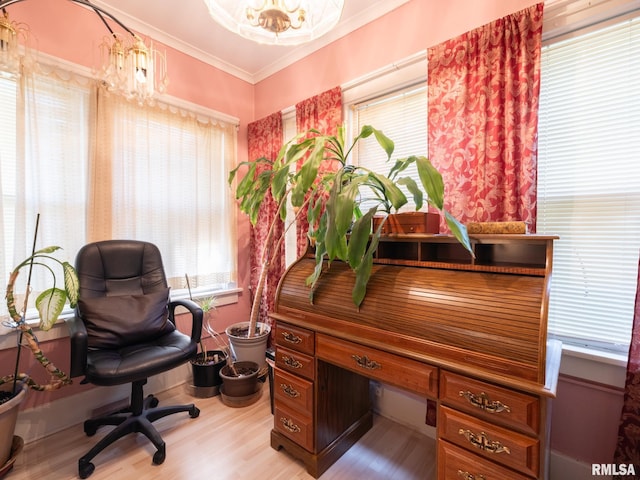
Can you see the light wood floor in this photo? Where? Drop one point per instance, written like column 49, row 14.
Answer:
column 224, row 443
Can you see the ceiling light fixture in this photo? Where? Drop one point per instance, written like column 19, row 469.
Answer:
column 131, row 67
column 11, row 34
column 277, row 22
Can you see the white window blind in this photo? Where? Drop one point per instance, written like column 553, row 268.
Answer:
column 402, row 116
column 589, row 182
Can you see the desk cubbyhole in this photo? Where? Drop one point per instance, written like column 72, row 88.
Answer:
column 444, row 252
column 511, row 254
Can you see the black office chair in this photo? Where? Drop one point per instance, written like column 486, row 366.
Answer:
column 124, row 332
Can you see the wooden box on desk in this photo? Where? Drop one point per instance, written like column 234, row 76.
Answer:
column 409, row 222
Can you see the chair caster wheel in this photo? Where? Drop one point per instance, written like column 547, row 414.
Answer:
column 90, row 429
column 153, row 401
column 159, row 456
column 194, row 412
column 85, row 468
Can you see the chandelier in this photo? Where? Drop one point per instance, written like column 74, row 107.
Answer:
column 130, row 66
column 11, row 33
column 277, row 22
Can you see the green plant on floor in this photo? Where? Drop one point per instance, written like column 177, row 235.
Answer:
column 208, row 306
column 49, row 305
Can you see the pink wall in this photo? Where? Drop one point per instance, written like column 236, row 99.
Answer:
column 409, row 29
column 585, row 416
column 71, row 32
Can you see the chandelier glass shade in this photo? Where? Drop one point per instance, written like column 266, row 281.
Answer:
column 277, row 22
column 130, row 66
column 11, row 35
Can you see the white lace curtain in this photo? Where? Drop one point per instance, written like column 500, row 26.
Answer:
column 97, row 167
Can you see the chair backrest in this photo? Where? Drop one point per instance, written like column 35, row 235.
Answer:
column 123, row 293
column 120, row 267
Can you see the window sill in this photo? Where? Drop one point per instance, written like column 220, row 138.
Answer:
column 593, row 365
column 9, row 337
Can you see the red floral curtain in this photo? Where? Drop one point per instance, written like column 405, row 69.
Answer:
column 265, row 140
column 628, row 448
column 323, row 113
column 483, row 118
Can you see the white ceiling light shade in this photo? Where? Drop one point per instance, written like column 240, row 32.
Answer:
column 277, row 22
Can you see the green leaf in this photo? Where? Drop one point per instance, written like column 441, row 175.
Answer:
column 412, row 186
column 459, row 231
column 385, row 142
column 71, row 283
column 400, row 166
column 279, row 183
column 391, row 191
column 431, row 181
column 363, row 272
column 50, row 304
column 359, row 238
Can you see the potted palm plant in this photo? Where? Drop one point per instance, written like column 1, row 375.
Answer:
column 13, row 386
column 331, row 198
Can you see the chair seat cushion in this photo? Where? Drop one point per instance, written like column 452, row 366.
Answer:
column 137, row 362
column 122, row 320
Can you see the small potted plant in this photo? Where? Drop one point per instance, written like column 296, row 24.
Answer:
column 206, row 365
column 49, row 304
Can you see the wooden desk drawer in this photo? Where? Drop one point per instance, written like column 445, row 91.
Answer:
column 298, row 428
column 493, row 403
column 295, row 362
column 454, row 463
column 507, row 447
column 295, row 338
column 294, row 392
column 383, row 366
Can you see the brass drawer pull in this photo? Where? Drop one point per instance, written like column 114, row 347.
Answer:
column 289, row 390
column 291, row 338
column 364, row 362
column 483, row 443
column 289, row 425
column 483, row 402
column 291, row 362
column 470, row 476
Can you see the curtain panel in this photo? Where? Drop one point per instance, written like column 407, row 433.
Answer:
column 322, row 112
column 483, row 89
column 628, row 447
column 155, row 173
column 265, row 140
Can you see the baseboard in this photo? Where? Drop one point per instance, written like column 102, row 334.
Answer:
column 42, row 421
column 562, row 467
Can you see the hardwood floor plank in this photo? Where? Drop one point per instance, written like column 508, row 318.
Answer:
column 227, row 444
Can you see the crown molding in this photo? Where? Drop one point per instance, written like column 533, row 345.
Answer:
column 354, row 22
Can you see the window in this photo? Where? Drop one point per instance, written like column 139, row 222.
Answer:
column 393, row 100
column 109, row 169
column 589, row 182
column 402, row 116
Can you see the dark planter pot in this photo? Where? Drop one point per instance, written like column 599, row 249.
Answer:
column 243, row 385
column 207, row 374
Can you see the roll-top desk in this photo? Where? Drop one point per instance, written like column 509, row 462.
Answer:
column 469, row 334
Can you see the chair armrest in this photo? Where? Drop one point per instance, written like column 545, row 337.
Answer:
column 196, row 316
column 79, row 346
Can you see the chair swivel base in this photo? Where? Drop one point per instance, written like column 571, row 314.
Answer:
column 129, row 421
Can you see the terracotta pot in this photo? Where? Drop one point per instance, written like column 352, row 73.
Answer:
column 8, row 418
column 243, row 385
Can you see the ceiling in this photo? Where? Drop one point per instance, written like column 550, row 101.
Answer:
column 188, row 27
